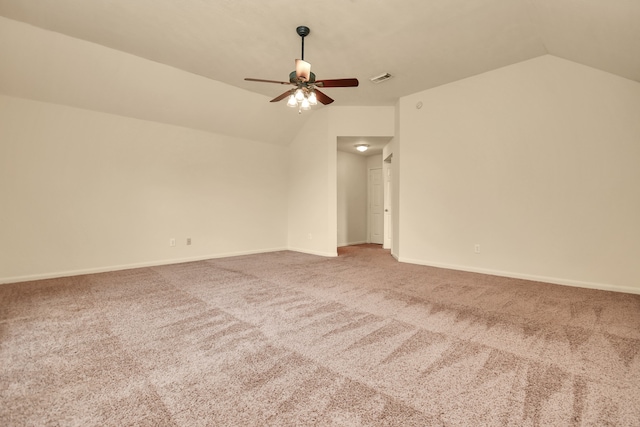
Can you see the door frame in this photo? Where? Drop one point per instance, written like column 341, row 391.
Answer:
column 370, row 199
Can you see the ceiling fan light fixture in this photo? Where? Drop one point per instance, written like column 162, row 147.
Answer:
column 362, row 147
column 304, row 94
column 303, row 70
column 313, row 100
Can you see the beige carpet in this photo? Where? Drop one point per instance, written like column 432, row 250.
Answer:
column 293, row 339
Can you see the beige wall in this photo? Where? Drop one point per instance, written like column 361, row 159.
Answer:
column 538, row 163
column 393, row 149
column 374, row 161
column 87, row 191
column 309, row 182
column 352, row 198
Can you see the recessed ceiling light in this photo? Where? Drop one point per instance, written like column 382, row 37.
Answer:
column 362, row 147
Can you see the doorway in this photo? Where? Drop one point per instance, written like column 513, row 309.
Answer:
column 360, row 191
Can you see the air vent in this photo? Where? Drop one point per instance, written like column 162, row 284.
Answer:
column 381, row 78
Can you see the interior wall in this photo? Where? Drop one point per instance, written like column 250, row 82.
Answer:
column 86, row 191
column 352, row 198
column 537, row 163
column 374, row 161
column 309, row 180
column 393, row 149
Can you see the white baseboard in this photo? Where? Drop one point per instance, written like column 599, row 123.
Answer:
column 306, row 251
column 352, row 243
column 531, row 277
column 535, row 278
column 68, row 273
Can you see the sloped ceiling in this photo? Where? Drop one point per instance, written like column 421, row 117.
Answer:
column 422, row 43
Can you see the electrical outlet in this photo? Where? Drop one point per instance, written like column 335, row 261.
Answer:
column 188, row 241
column 310, row 236
column 476, row 248
column 172, row 242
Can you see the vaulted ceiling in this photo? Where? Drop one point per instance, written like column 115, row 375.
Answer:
column 421, row 43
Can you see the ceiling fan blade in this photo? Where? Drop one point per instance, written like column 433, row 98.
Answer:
column 281, row 97
column 337, row 83
column 267, row 81
column 321, row 97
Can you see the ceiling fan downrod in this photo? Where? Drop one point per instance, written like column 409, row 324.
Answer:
column 303, row 32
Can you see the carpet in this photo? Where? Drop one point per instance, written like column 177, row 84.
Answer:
column 286, row 338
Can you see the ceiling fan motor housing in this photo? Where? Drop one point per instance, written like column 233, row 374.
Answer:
column 293, row 78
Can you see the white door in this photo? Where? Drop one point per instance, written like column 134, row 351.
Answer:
column 387, row 209
column 376, row 206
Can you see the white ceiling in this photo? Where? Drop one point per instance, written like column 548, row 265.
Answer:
column 422, row 43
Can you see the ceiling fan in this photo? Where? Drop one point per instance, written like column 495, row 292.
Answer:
column 305, row 92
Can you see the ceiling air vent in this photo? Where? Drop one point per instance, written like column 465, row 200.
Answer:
column 381, row 78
